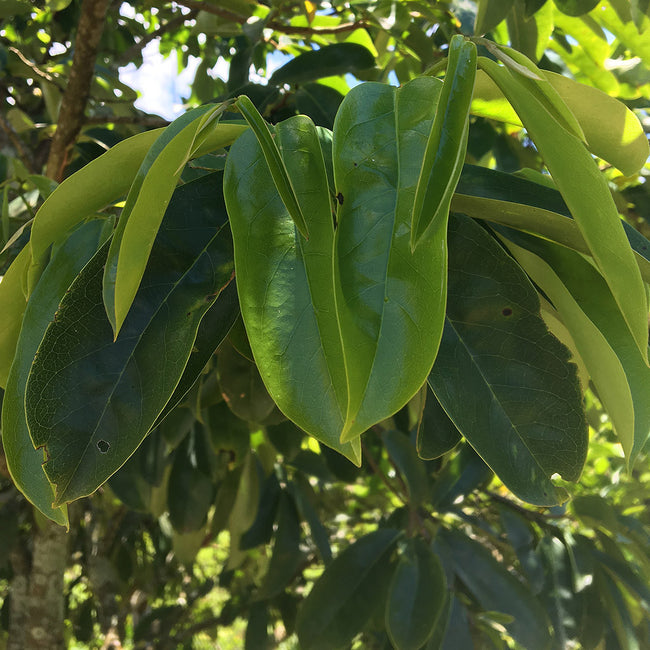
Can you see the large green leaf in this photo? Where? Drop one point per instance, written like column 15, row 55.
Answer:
column 622, row 382
column 86, row 400
column 495, row 588
column 390, row 301
column 502, row 378
column 490, row 13
column 527, row 205
column 24, row 461
column 437, row 434
column 328, row 61
column 345, row 596
column 417, row 596
column 601, row 361
column 344, row 327
column 585, row 190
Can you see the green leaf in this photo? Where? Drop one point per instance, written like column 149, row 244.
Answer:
column 437, row 434
column 495, row 588
column 515, row 201
column 242, row 386
column 447, row 142
column 623, row 143
column 502, row 378
column 390, row 301
column 287, row 295
column 402, row 452
column 345, row 596
column 146, row 203
column 463, row 474
column 416, row 598
column 85, row 391
column 603, row 365
column 490, row 13
column 12, row 307
column 320, row 102
column 585, row 190
column 328, row 61
column 190, row 491
column 576, row 7
column 9, row 8
column 286, row 556
column 25, row 462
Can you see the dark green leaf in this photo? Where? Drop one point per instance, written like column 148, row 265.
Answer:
column 457, row 634
column 504, row 380
column 319, row 102
column 262, row 529
column 412, row 469
column 345, row 596
column 85, row 391
column 257, row 635
column 327, row 61
column 416, row 598
column 490, row 14
column 575, row 7
column 286, row 556
column 25, row 462
column 437, row 434
column 495, row 588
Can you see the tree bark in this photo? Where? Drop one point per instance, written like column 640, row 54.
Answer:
column 75, row 97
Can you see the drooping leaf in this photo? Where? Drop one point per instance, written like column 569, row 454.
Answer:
column 437, row 434
column 286, row 556
column 24, row 461
column 85, row 392
column 495, row 588
column 328, row 61
column 417, row 596
column 502, row 378
column 146, row 203
column 575, row 7
column 344, row 597
column 587, row 195
column 390, row 301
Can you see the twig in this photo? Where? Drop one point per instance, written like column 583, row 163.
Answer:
column 274, row 24
column 128, row 55
column 36, row 70
column 145, row 120
column 75, row 97
column 377, row 470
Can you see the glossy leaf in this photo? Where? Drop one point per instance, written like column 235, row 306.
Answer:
column 104, row 414
column 328, row 61
column 146, row 203
column 24, row 461
column 344, row 597
column 495, row 588
column 502, row 378
column 601, row 361
column 390, row 301
column 587, row 195
column 447, row 142
column 417, row 596
column 287, row 295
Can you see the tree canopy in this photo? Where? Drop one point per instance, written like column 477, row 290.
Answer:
column 352, row 353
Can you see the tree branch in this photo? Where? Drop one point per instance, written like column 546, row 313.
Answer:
column 128, row 55
column 273, row 24
column 75, row 97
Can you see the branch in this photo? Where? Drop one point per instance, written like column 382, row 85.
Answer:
column 273, row 24
column 149, row 121
column 75, row 97
column 129, row 55
column 41, row 74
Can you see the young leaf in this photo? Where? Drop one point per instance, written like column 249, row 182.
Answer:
column 417, row 596
column 85, row 392
column 24, row 461
column 145, row 207
column 347, row 593
column 498, row 364
column 447, row 143
column 587, row 195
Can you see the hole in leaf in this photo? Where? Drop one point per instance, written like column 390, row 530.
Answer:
column 507, row 311
column 103, row 446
